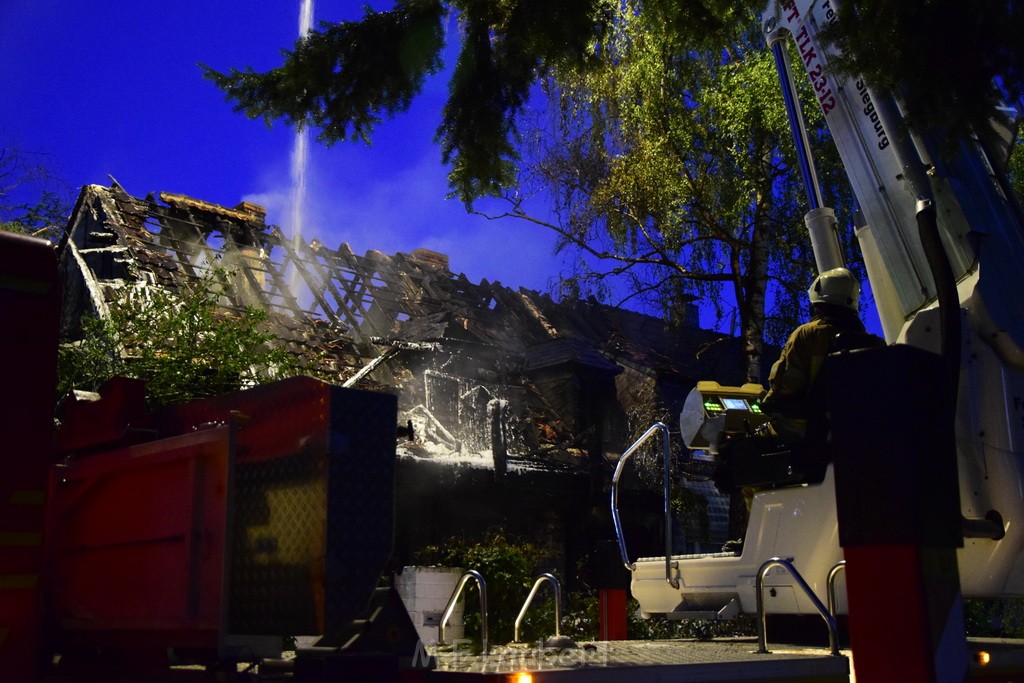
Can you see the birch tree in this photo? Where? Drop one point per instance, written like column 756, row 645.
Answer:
column 673, row 171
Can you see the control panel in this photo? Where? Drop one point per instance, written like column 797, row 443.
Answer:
column 740, row 408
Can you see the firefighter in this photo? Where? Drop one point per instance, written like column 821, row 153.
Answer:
column 795, row 400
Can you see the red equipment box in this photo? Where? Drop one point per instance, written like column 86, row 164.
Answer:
column 245, row 518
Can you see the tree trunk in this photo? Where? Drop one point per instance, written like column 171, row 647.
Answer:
column 753, row 328
column 756, row 284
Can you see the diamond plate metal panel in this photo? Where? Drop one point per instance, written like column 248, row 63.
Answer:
column 314, row 528
column 277, row 545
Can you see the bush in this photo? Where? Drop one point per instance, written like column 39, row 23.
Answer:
column 179, row 342
column 994, row 618
column 700, row 629
column 509, row 568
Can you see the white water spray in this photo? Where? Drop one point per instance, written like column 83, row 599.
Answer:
column 300, row 154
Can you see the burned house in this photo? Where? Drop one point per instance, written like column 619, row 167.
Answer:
column 493, row 379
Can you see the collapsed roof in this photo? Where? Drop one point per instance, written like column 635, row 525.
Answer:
column 341, row 311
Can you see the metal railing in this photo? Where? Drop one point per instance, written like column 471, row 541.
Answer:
column 482, row 586
column 762, row 636
column 658, row 426
column 831, row 582
column 557, row 588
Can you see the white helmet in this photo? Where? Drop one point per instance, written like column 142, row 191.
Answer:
column 837, row 286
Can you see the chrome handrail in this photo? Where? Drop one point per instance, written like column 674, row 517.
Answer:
column 762, row 636
column 482, row 586
column 668, row 492
column 557, row 588
column 831, row 582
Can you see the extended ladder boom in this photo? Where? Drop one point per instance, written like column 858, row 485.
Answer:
column 890, row 169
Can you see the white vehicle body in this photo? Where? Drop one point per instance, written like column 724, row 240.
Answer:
column 984, row 242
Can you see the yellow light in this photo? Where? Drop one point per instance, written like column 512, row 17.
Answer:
column 982, row 657
column 521, row 677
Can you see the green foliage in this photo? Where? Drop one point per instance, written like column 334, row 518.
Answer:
column 700, row 24
column 345, row 77
column 691, row 509
column 994, row 618
column 509, row 568
column 941, row 57
column 580, row 619
column 1015, row 169
column 14, row 226
column 179, row 342
column 676, row 169
column 46, row 218
column 505, row 46
column 638, row 628
column 32, row 201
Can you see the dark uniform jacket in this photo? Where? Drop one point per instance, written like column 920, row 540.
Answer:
column 792, row 380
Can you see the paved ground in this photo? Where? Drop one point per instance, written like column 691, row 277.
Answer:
column 734, row 659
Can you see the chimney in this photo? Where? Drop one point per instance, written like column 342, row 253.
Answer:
column 431, row 259
column 255, row 209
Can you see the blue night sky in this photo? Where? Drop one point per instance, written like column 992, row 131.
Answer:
column 114, row 87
